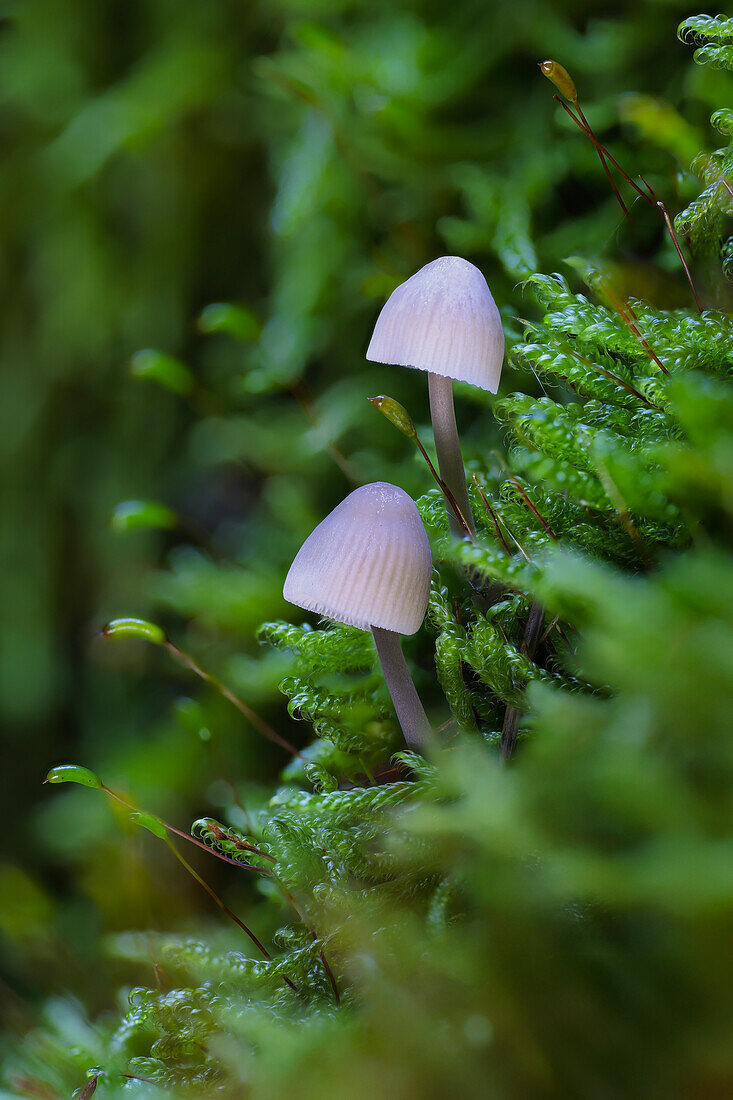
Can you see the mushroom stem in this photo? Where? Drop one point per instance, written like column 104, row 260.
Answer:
column 448, row 449
column 410, row 712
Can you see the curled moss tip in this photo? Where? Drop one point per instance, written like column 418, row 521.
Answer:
column 397, row 414
column 561, row 78
column 74, row 773
column 134, row 628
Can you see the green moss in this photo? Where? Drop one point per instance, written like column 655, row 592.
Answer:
column 555, row 925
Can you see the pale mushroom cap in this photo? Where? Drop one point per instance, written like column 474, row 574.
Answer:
column 443, row 320
column 367, row 564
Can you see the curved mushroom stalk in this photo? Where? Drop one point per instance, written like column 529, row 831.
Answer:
column 448, row 450
column 410, row 711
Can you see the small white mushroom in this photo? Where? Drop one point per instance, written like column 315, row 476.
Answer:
column 368, row 564
column 443, row 320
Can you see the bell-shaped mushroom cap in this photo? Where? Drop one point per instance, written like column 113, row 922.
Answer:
column 367, row 564
column 443, row 320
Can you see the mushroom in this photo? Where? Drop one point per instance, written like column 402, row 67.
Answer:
column 443, row 320
column 368, row 565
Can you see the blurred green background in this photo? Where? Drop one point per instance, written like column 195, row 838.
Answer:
column 296, row 159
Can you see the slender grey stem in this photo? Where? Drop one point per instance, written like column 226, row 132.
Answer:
column 412, row 717
column 448, row 449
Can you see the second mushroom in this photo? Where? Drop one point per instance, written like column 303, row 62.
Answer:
column 368, row 564
column 443, row 320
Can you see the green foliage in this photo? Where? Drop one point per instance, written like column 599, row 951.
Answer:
column 134, row 628
column 72, row 773
column 713, row 37
column 454, row 925
column 164, row 370
column 704, row 219
column 132, row 515
column 344, row 709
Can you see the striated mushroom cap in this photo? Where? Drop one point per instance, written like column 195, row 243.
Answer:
column 443, row 319
column 367, row 564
